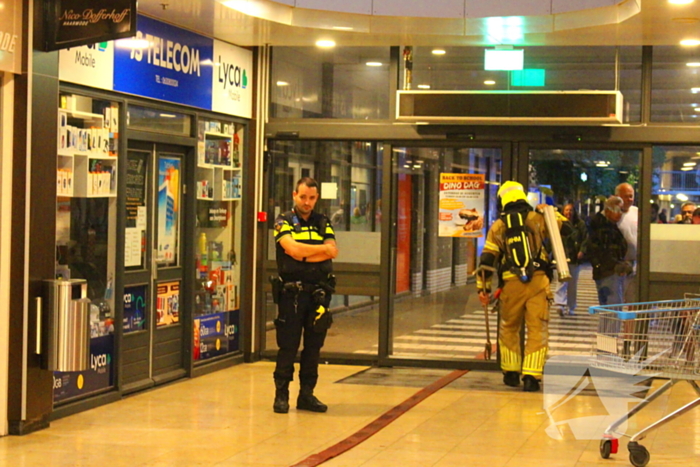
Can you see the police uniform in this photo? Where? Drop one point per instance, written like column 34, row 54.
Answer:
column 520, row 300
column 304, row 288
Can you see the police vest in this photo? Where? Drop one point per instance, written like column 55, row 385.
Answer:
column 313, row 231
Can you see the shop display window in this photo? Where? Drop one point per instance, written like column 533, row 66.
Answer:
column 86, row 176
column 218, row 238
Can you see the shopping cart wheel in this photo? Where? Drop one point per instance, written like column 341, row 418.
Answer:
column 639, row 456
column 605, row 448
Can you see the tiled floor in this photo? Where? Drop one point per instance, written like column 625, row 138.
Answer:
column 226, row 419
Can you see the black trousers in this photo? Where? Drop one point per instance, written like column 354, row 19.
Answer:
column 295, row 318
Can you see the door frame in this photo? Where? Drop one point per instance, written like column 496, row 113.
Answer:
column 185, row 147
column 389, row 246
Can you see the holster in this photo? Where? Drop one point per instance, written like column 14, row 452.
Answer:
column 277, row 286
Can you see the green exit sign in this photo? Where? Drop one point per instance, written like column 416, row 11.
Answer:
column 532, row 77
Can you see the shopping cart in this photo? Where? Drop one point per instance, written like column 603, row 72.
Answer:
column 655, row 339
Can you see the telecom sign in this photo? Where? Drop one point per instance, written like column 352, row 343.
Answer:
column 175, row 66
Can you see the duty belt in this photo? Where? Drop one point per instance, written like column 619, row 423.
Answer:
column 300, row 286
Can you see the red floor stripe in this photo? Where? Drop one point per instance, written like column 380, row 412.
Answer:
column 379, row 423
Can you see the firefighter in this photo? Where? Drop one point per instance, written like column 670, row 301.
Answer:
column 514, row 245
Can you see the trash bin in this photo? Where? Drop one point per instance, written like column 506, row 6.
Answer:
column 68, row 325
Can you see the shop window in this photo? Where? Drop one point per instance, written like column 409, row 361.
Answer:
column 217, row 241
column 675, row 186
column 346, row 82
column 545, row 69
column 675, row 95
column 158, row 121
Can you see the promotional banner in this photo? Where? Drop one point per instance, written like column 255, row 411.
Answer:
column 168, row 303
column 461, row 205
column 79, row 22
column 168, row 209
column 231, row 85
column 216, row 334
column 135, row 308
column 71, row 384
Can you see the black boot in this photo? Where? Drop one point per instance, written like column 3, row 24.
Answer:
column 530, row 384
column 281, row 404
column 307, row 400
column 511, row 378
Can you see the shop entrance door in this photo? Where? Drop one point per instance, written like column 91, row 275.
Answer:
column 154, row 334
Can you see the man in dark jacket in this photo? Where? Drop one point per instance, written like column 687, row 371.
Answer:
column 606, row 248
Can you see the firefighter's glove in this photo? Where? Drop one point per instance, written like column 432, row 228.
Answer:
column 484, row 297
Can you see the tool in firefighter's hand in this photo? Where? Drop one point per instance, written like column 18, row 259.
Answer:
column 481, row 270
column 495, row 301
column 550, row 219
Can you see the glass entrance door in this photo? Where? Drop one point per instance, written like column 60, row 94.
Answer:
column 577, row 182
column 154, row 337
column 445, row 203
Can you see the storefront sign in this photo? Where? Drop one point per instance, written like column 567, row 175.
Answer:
column 70, row 23
column 71, row 384
column 461, row 205
column 177, row 66
column 11, row 36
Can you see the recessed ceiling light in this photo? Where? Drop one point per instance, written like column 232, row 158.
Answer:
column 373, row 63
column 489, row 82
column 690, row 42
column 693, row 64
column 343, row 28
column 697, row 109
column 680, row 2
column 438, row 52
column 325, row 43
column 282, row 83
column 423, row 86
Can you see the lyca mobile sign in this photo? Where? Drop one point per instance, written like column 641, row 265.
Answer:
column 175, row 66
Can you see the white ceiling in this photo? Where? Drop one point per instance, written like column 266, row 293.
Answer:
column 658, row 23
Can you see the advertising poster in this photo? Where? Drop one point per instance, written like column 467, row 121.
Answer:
column 135, row 308
column 462, row 205
column 168, row 303
column 216, row 334
column 71, row 384
column 168, row 209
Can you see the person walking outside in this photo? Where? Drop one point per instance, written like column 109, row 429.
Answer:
column 606, row 248
column 525, row 294
column 574, row 233
column 305, row 249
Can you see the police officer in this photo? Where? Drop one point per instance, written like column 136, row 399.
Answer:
column 523, row 296
column 305, row 249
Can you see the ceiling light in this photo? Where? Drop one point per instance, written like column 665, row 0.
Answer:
column 686, row 169
column 697, row 109
column 438, row 52
column 690, row 42
column 132, row 43
column 695, row 90
column 343, row 28
column 282, row 83
column 680, row 2
column 689, row 164
column 423, row 86
column 373, row 63
column 325, row 43
column 489, row 82
column 693, row 64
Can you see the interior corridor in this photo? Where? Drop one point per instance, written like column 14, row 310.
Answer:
column 226, row 419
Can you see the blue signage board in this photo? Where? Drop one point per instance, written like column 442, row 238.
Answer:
column 216, row 334
column 71, row 384
column 134, row 308
column 176, row 65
